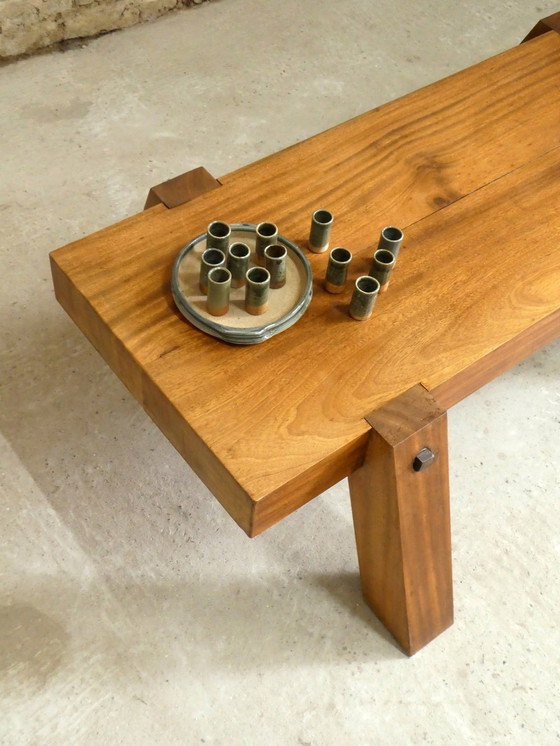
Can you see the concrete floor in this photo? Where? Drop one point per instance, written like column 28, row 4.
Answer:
column 133, row 610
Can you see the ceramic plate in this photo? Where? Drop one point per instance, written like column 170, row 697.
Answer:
column 286, row 305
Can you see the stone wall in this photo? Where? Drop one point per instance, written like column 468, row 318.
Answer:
column 29, row 25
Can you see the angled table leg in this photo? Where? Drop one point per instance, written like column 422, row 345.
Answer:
column 400, row 505
column 550, row 23
column 181, row 188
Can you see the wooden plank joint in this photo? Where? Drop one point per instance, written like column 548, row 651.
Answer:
column 401, row 519
column 181, row 189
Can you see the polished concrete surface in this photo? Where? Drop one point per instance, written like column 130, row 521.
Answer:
column 133, row 610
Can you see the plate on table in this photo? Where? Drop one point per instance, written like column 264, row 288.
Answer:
column 285, row 305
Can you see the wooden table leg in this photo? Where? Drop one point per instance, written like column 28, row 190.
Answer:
column 181, row 189
column 550, row 23
column 401, row 519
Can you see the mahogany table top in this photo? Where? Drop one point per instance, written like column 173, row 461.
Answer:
column 468, row 167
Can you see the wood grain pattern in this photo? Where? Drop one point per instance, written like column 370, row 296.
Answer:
column 181, row 189
column 402, row 523
column 284, row 420
column 498, row 361
column 201, row 459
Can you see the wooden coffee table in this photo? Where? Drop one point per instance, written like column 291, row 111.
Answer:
column 469, row 168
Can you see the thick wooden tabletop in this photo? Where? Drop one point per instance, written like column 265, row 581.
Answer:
column 470, row 169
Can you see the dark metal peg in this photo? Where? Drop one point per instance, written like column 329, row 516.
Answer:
column 423, row 459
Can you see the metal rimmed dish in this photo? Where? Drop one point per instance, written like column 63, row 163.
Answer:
column 286, row 305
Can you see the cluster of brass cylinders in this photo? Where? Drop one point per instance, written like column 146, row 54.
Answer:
column 367, row 287
column 226, row 264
